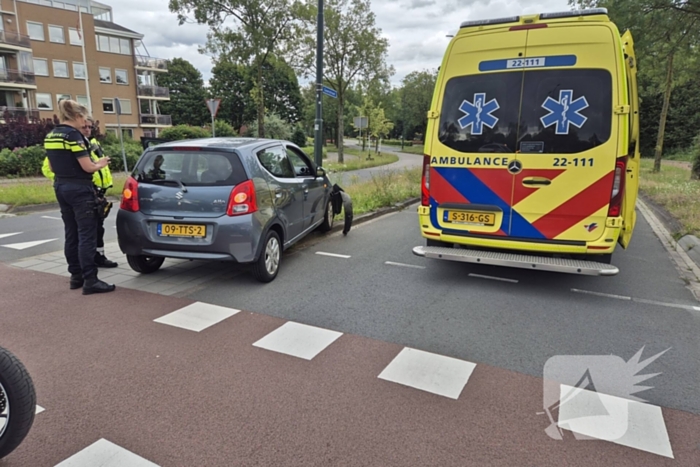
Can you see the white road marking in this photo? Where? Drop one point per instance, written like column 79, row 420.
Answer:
column 621, row 421
column 437, row 374
column 104, row 453
column 51, row 217
column 197, row 316
column 334, row 255
column 601, row 294
column 9, row 234
column 39, row 409
column 493, row 278
column 25, row 245
column 298, row 340
column 391, row 263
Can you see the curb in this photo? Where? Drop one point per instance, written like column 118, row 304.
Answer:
column 688, row 269
column 362, row 218
column 31, row 208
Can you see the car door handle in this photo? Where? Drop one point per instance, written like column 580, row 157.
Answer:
column 536, row 181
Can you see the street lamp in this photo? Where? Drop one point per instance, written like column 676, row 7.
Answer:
column 318, row 124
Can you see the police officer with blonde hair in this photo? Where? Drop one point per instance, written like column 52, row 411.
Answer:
column 69, row 158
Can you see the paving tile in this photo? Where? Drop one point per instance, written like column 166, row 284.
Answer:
column 118, row 279
column 444, row 376
column 28, row 263
column 197, row 316
column 298, row 340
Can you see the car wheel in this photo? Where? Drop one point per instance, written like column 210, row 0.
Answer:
column 265, row 269
column 328, row 218
column 145, row 264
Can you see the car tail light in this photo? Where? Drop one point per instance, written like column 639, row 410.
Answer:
column 618, row 190
column 130, row 195
column 425, row 182
column 242, row 199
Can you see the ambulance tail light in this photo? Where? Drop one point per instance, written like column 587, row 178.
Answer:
column 425, row 182
column 618, row 191
column 130, row 195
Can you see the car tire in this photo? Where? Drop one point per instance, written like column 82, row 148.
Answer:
column 18, row 398
column 267, row 266
column 145, row 264
column 328, row 218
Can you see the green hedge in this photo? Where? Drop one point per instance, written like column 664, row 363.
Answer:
column 180, row 132
column 309, row 150
column 396, row 142
column 132, row 150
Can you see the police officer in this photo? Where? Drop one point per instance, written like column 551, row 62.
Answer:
column 102, row 179
column 70, row 161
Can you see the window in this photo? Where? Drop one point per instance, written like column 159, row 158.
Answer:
column 114, row 45
column 275, row 160
column 43, row 101
column 56, row 34
column 121, row 76
column 41, row 67
column 111, row 131
column 125, row 46
column 82, row 100
column 62, row 97
column 74, row 37
column 301, row 166
column 105, row 75
column 103, row 43
column 78, row 70
column 26, row 62
column 192, row 168
column 126, row 106
column 128, row 133
column 60, row 69
column 108, row 106
column 35, row 31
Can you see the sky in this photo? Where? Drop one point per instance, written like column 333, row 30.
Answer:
column 416, row 29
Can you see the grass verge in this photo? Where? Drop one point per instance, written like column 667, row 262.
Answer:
column 384, row 190
column 673, row 189
column 412, row 149
column 41, row 192
column 360, row 161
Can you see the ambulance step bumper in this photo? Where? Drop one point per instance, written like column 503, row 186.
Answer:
column 539, row 263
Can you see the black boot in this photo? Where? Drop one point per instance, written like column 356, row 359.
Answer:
column 102, row 262
column 95, row 285
column 76, row 281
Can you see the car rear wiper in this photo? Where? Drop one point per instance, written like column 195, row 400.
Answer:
column 162, row 180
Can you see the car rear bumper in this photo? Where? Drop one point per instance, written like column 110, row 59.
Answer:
column 227, row 238
column 605, row 244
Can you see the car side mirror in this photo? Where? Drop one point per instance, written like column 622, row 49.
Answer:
column 320, row 172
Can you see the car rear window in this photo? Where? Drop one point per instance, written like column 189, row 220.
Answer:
column 192, row 168
column 562, row 111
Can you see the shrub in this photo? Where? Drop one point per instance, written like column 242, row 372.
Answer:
column 19, row 131
column 22, row 162
column 275, row 128
column 184, row 132
column 309, row 150
column 109, row 138
column 132, row 149
column 224, row 129
column 396, row 142
column 299, row 137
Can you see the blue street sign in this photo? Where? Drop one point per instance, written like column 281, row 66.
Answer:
column 330, row 92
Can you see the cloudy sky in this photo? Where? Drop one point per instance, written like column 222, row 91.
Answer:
column 416, row 29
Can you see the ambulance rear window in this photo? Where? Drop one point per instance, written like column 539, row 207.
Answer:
column 562, row 112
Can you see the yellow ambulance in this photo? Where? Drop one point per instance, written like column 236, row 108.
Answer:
column 532, row 145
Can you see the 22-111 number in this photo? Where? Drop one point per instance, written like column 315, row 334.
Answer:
column 576, row 162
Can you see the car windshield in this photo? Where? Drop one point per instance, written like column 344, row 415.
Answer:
column 191, row 168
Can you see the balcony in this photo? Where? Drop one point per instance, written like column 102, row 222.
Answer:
column 157, row 64
column 156, row 120
column 17, row 112
column 17, row 77
column 15, row 39
column 153, row 92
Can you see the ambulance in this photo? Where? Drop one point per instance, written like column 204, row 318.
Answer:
column 532, row 145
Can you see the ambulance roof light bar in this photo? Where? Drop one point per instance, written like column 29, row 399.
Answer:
column 489, row 22
column 574, row 13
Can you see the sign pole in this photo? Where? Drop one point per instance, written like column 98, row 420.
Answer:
column 118, row 109
column 318, row 124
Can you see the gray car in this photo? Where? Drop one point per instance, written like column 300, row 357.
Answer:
column 225, row 199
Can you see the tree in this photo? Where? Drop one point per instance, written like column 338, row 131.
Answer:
column 230, row 82
column 260, row 29
column 187, row 104
column 354, row 49
column 416, row 96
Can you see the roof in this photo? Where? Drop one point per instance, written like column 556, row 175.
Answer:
column 233, row 143
column 114, row 26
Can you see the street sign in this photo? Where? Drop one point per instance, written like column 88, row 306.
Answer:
column 117, row 106
column 360, row 122
column 330, row 92
column 213, row 106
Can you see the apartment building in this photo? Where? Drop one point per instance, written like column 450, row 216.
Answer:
column 45, row 57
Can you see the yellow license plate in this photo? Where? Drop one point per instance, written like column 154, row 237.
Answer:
column 182, row 230
column 470, row 217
